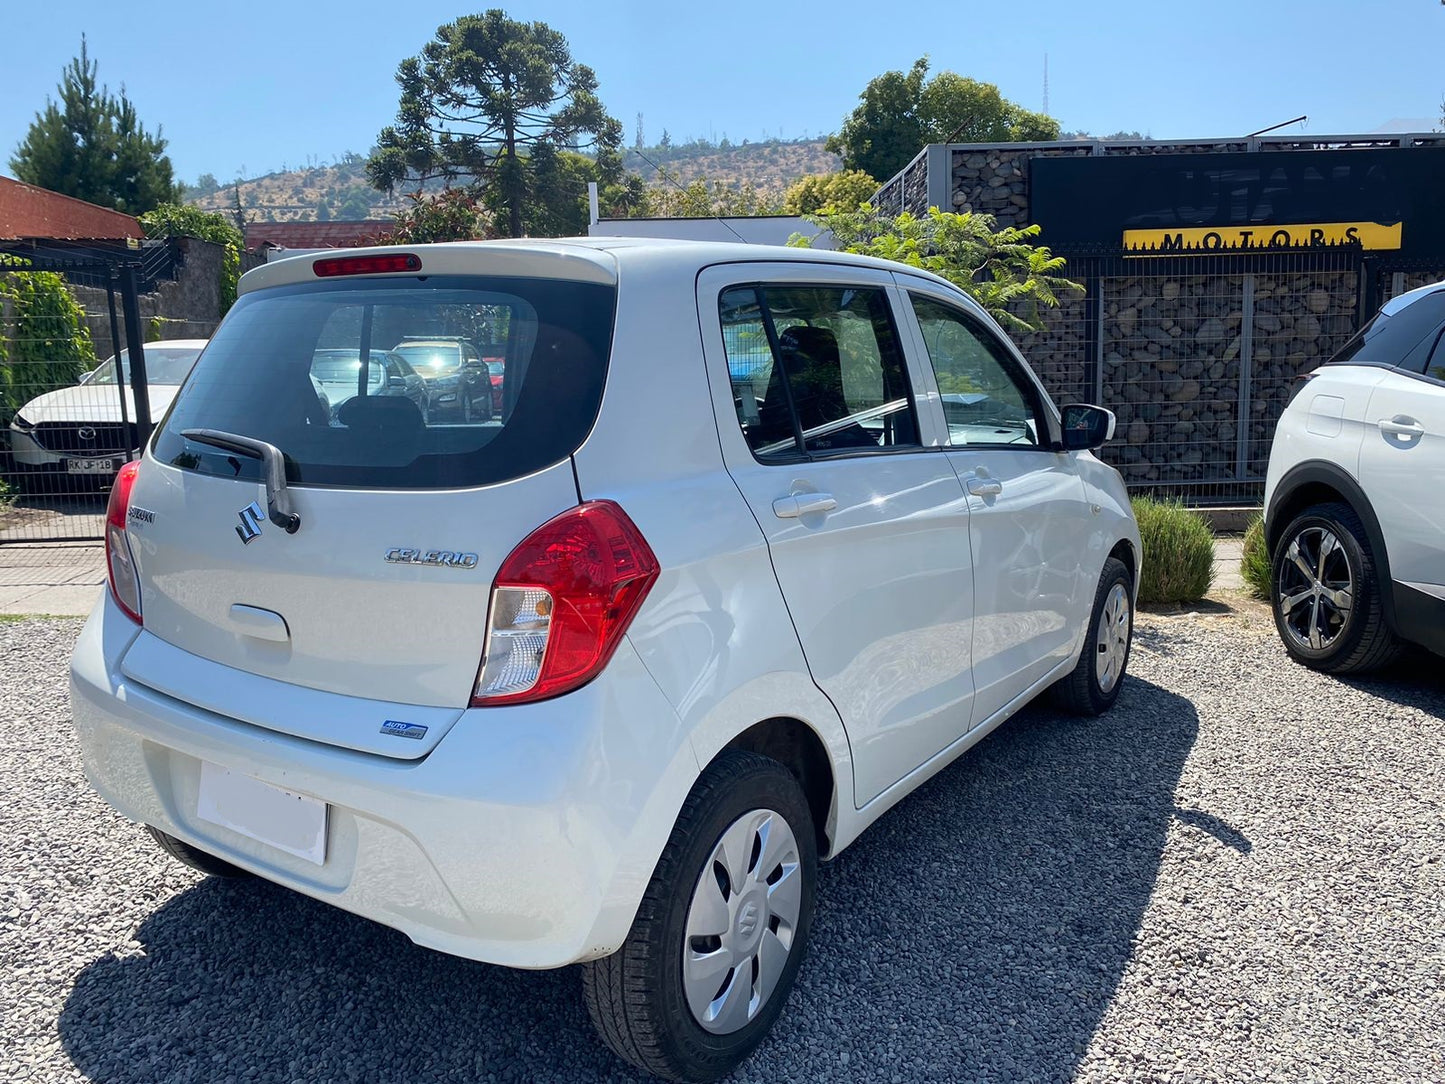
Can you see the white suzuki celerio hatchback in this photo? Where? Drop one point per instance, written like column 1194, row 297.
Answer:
column 760, row 540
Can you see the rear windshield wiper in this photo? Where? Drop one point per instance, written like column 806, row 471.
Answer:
column 278, row 501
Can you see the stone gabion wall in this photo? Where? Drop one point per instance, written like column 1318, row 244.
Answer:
column 1172, row 366
column 993, row 182
column 889, row 199
column 1409, row 280
column 915, row 185
column 1300, row 320
column 1059, row 352
column 1171, row 375
column 907, row 191
column 1171, row 345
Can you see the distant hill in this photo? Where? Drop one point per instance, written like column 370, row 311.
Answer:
column 340, row 192
column 336, row 192
column 771, row 165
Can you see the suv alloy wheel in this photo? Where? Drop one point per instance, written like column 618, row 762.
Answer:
column 1326, row 594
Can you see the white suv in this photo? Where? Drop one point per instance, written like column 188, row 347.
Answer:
column 1355, row 495
column 721, row 584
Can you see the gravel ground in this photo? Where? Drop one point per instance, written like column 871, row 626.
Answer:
column 1237, row 875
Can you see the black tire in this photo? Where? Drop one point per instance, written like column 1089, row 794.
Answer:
column 1082, row 693
column 1361, row 641
column 194, row 857
column 636, row 996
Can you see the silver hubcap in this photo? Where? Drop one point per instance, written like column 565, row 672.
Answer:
column 741, row 922
column 1111, row 640
column 1316, row 588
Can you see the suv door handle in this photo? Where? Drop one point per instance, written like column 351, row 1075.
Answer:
column 1401, row 426
column 802, row 504
column 985, row 487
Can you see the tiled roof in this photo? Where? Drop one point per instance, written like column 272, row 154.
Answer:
column 316, row 234
column 27, row 211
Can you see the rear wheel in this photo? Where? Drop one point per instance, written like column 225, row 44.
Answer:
column 1327, row 594
column 1094, row 684
column 721, row 930
column 194, row 857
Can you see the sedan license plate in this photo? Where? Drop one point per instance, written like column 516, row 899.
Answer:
column 90, row 466
column 278, row 818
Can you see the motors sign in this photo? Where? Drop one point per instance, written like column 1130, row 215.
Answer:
column 1198, row 203
column 1371, row 236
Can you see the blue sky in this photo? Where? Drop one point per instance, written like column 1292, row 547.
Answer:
column 252, row 86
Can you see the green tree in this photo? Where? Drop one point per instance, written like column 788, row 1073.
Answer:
column 92, row 145
column 1002, row 269
column 355, row 204
column 842, row 191
column 454, row 214
column 485, row 95
column 185, row 220
column 901, row 112
column 559, row 182
column 49, row 342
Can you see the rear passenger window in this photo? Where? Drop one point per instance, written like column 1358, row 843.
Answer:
column 816, row 370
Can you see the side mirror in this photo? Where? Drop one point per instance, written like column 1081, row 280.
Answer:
column 400, row 383
column 1086, row 426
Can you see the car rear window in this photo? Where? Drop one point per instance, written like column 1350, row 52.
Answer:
column 262, row 377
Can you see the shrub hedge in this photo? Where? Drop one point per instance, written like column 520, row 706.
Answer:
column 1178, row 554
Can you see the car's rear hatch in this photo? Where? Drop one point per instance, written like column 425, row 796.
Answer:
column 380, row 597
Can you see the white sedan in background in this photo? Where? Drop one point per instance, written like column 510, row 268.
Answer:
column 81, row 431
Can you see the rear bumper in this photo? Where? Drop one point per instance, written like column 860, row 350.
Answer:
column 526, row 838
column 1420, row 615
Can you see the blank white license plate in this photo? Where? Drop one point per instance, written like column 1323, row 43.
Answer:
column 90, row 466
column 278, row 818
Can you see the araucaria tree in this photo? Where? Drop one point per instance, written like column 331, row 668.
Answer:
column 92, row 145
column 492, row 103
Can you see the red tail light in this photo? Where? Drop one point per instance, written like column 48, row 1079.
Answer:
column 119, row 561
column 366, row 265
column 561, row 604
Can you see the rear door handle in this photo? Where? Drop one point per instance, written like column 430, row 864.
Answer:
column 985, row 487
column 1401, row 426
column 802, row 504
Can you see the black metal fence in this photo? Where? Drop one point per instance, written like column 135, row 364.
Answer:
column 69, row 416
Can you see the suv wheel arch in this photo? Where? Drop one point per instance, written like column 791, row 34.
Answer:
column 1319, row 482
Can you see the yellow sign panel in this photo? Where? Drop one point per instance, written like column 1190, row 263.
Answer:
column 1210, row 239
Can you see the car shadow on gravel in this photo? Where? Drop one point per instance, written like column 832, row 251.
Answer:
column 1416, row 681
column 977, row 932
